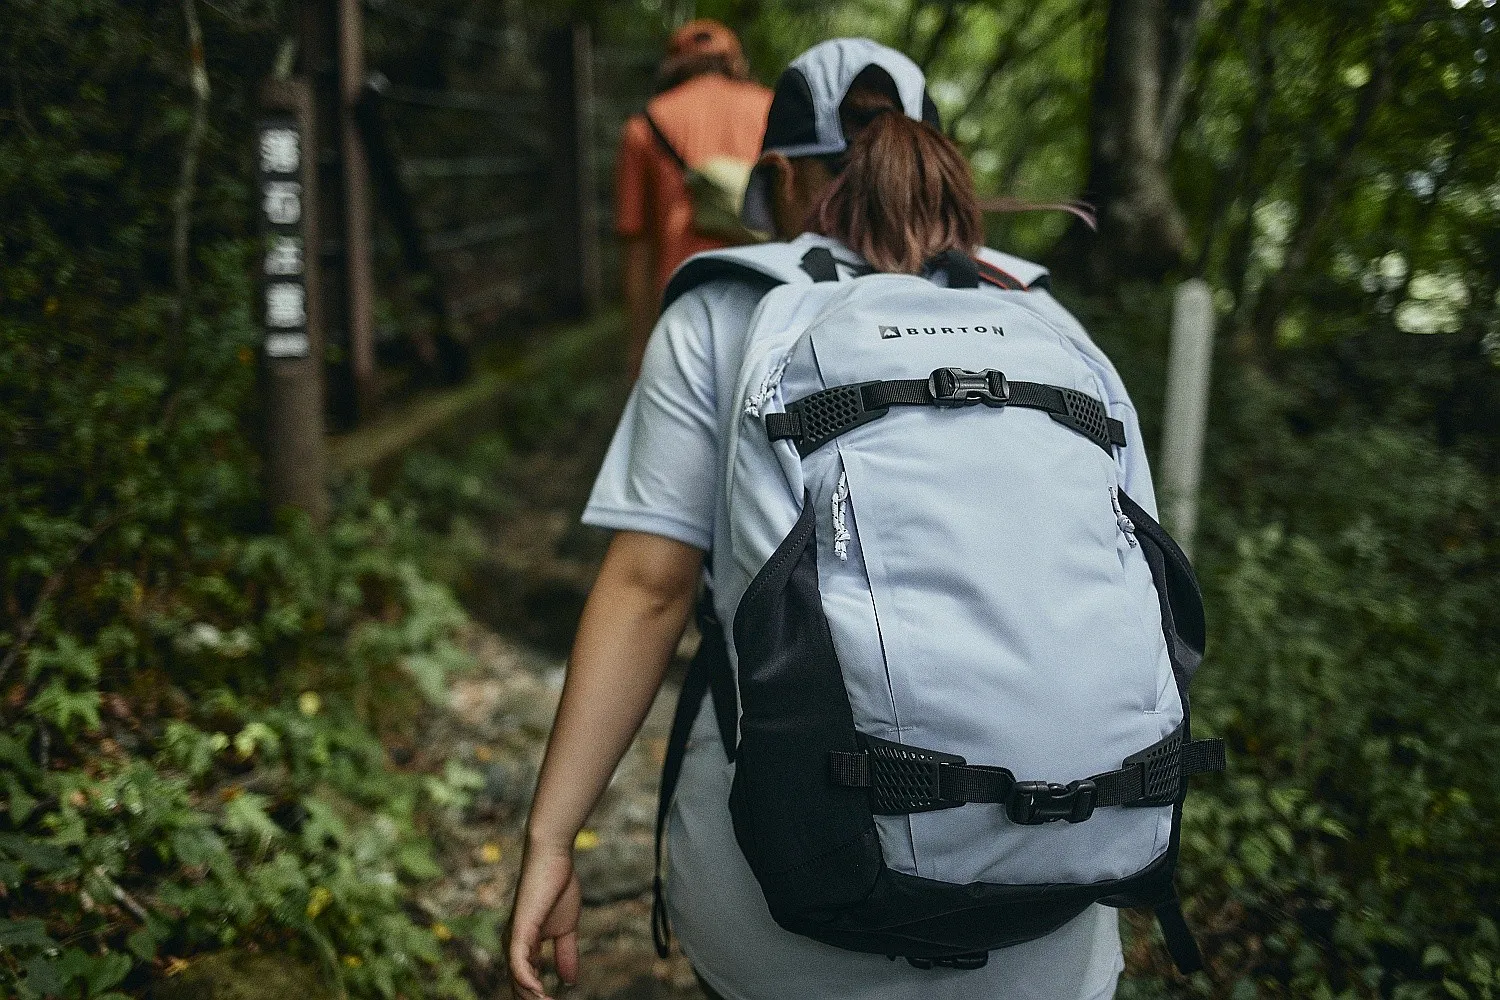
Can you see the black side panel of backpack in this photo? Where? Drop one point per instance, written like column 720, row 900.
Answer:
column 812, row 846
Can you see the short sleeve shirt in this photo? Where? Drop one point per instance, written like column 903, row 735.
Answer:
column 706, row 116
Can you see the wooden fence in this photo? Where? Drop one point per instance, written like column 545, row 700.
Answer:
column 460, row 187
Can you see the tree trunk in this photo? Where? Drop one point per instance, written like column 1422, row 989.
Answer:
column 1133, row 122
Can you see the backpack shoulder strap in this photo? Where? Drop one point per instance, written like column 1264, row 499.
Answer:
column 1012, row 273
column 803, row 261
column 709, row 676
column 664, row 142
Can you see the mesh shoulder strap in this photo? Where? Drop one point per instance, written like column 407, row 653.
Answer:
column 1010, row 271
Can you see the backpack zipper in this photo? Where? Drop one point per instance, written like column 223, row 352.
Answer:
column 1123, row 522
column 840, row 527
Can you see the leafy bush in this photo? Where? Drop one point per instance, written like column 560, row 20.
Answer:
column 145, row 826
column 1351, row 566
column 191, row 709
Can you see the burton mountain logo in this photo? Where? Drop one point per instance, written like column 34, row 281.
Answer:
column 896, row 332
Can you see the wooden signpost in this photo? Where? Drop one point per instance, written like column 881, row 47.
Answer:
column 296, row 460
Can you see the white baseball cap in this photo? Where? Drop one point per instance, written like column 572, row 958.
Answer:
column 804, row 118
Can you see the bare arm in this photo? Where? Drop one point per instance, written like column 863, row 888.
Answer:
column 639, row 268
column 631, row 624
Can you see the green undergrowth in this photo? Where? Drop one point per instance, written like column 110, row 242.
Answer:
column 151, row 819
column 209, row 722
column 1349, row 550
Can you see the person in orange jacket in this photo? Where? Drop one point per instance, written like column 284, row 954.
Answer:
column 708, row 112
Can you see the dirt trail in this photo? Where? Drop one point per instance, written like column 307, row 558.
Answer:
column 497, row 719
column 526, row 595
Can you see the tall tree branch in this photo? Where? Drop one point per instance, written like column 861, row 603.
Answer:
column 1232, row 182
column 182, row 199
column 1142, row 234
column 1179, row 41
column 1010, row 51
column 952, row 9
column 1322, row 186
column 909, row 29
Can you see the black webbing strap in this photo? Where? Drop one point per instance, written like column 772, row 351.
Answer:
column 962, row 270
column 813, row 421
column 1181, row 944
column 664, row 142
column 820, row 264
column 1000, row 278
column 906, row 779
column 709, row 672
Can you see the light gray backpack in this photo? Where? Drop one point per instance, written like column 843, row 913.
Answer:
column 960, row 650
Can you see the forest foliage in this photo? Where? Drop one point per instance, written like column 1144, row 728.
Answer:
column 193, row 698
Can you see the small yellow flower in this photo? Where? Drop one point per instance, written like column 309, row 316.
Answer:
column 490, row 854
column 586, row 840
column 309, row 704
column 353, row 961
column 317, row 901
column 441, row 932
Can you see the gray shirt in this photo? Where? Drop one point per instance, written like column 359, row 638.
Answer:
column 662, row 476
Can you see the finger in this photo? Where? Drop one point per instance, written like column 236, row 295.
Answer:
column 565, row 951
column 520, row 992
column 523, row 970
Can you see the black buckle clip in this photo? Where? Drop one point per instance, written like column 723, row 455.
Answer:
column 957, row 387
column 1032, row 803
column 974, row 960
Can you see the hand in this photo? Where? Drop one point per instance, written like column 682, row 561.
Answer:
column 548, row 901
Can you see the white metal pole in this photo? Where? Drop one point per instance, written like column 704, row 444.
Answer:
column 1186, row 411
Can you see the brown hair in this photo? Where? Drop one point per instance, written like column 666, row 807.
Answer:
column 905, row 193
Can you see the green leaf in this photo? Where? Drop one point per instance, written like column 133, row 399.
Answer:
column 35, row 855
column 45, row 975
column 60, row 706
column 142, row 944
column 21, row 802
column 27, row 933
column 104, row 971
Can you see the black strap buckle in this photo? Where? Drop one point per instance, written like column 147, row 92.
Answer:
column 1032, row 803
column 958, row 387
column 974, row 960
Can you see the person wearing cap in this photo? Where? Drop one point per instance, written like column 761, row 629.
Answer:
column 708, row 109
column 852, row 162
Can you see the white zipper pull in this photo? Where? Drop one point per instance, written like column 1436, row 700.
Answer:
column 757, row 400
column 840, row 528
column 1125, row 523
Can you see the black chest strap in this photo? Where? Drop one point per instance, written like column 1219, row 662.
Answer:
column 813, row 421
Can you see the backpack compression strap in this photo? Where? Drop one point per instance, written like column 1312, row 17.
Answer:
column 813, row 421
column 709, row 673
column 907, row 779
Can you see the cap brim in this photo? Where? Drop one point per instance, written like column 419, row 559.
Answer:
column 756, row 211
